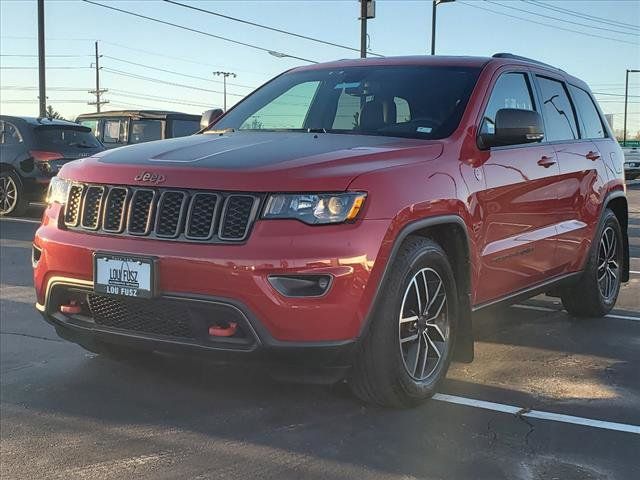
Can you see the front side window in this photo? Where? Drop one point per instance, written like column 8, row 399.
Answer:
column 590, row 120
column 400, row 101
column 145, row 131
column 114, row 130
column 512, row 90
column 559, row 116
column 9, row 134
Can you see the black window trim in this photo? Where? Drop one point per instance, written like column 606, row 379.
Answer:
column 565, row 85
column 535, row 99
column 603, row 122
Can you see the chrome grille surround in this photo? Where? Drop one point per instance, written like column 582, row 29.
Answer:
column 195, row 216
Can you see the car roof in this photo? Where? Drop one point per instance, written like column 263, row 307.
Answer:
column 496, row 60
column 152, row 114
column 39, row 121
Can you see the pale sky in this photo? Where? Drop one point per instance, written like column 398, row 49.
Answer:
column 598, row 52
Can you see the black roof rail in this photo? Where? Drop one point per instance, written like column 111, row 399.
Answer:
column 525, row 59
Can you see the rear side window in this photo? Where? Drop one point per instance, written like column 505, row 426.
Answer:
column 559, row 117
column 63, row 138
column 512, row 90
column 590, row 122
column 9, row 134
column 145, row 131
column 114, row 131
column 182, row 128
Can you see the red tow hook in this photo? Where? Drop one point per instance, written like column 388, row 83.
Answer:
column 218, row 331
column 72, row 308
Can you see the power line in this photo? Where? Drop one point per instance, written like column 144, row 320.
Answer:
column 247, row 22
column 591, row 35
column 36, row 68
column 614, row 94
column 175, row 73
column 157, row 20
column 157, row 80
column 583, row 15
column 48, row 55
column 529, row 12
column 164, row 100
column 29, row 89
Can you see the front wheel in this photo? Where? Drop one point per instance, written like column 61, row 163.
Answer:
column 596, row 292
column 408, row 347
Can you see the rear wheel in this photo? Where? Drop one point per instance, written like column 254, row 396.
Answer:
column 408, row 348
column 12, row 201
column 596, row 292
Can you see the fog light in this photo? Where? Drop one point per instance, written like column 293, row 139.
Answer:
column 301, row 285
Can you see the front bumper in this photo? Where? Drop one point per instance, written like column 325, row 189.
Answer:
column 236, row 275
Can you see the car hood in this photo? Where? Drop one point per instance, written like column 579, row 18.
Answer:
column 252, row 161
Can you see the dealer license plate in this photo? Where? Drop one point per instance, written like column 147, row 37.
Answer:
column 123, row 275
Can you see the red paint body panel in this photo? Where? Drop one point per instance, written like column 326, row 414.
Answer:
column 526, row 223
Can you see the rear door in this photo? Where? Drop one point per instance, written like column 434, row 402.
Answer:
column 519, row 227
column 582, row 172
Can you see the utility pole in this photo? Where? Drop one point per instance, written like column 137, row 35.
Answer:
column 42, row 98
column 97, row 92
column 434, row 9
column 224, row 82
column 626, row 100
column 363, row 28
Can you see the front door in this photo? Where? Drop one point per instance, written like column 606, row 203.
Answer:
column 519, row 216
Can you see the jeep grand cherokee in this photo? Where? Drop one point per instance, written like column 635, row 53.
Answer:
column 345, row 218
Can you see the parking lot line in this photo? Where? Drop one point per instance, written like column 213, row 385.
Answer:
column 547, row 309
column 20, row 220
column 539, row 414
column 634, row 272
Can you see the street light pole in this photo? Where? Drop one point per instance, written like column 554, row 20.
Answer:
column 434, row 9
column 626, row 100
column 224, row 82
column 42, row 99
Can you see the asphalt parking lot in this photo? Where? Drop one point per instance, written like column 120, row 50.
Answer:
column 547, row 397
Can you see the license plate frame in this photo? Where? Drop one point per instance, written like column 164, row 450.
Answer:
column 133, row 277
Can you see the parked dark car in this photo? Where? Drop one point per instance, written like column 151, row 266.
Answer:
column 125, row 127
column 32, row 150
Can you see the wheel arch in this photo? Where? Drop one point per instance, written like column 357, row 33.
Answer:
column 616, row 201
column 450, row 232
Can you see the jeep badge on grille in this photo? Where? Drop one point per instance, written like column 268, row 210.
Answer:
column 150, row 177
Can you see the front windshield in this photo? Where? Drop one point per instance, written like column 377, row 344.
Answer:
column 403, row 101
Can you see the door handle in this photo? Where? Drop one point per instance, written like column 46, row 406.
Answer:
column 592, row 156
column 546, row 162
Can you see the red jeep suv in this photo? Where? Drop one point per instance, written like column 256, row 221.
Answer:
column 344, row 221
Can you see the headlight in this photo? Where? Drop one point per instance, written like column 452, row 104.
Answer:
column 318, row 208
column 58, row 190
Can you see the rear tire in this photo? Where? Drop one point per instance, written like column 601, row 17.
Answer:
column 596, row 292
column 409, row 344
column 12, row 199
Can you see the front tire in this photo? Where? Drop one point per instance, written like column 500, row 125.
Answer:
column 596, row 292
column 408, row 348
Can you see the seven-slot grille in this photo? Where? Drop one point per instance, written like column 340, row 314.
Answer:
column 170, row 214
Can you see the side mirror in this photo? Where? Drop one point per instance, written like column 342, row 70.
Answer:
column 210, row 116
column 512, row 127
